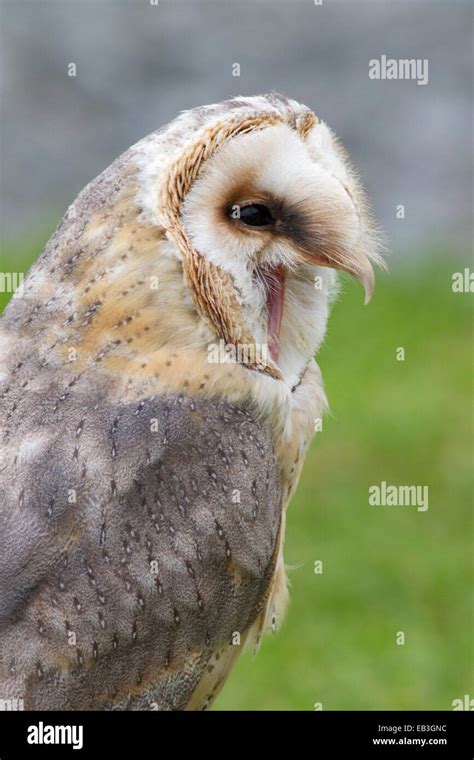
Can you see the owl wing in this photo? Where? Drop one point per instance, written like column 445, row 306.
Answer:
column 140, row 552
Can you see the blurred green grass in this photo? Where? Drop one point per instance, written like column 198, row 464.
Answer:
column 385, row 569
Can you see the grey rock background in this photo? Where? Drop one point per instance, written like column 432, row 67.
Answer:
column 139, row 64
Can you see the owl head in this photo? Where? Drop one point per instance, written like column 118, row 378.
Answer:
column 244, row 209
column 263, row 207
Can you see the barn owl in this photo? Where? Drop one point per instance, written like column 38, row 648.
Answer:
column 158, row 395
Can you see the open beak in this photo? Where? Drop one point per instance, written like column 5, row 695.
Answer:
column 274, row 279
column 358, row 267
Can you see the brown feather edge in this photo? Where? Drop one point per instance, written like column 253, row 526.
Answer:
column 211, row 287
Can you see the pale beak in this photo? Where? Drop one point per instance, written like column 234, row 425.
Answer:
column 358, row 267
column 362, row 270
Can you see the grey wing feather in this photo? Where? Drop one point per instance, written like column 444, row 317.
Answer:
column 136, row 541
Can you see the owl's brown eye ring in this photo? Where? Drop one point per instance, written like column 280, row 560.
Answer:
column 253, row 215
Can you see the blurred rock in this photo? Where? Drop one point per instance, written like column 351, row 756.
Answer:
column 139, row 64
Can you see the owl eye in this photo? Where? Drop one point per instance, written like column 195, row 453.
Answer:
column 256, row 215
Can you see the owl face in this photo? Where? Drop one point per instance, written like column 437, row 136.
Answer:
column 262, row 208
column 278, row 212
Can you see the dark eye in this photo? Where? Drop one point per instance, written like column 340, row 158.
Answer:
column 256, row 215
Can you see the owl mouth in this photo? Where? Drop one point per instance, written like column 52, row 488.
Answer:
column 274, row 282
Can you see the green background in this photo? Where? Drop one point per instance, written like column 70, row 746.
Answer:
column 385, row 569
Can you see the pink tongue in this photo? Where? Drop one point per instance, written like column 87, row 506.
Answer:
column 275, row 282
